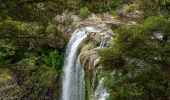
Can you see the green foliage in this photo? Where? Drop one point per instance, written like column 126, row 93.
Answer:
column 154, row 7
column 36, row 75
column 139, row 83
column 100, row 6
column 84, row 12
column 56, row 35
column 113, row 13
column 39, row 30
column 21, row 35
column 7, row 50
column 143, row 42
column 47, row 75
column 157, row 24
column 87, row 88
column 12, row 28
column 138, row 55
column 18, row 90
column 54, row 59
column 111, row 59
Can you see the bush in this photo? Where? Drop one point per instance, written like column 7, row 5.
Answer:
column 36, row 75
column 84, row 12
column 111, row 59
column 54, row 59
column 38, row 30
column 7, row 50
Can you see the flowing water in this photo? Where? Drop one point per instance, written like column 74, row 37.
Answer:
column 73, row 86
column 100, row 92
column 103, row 42
column 102, row 45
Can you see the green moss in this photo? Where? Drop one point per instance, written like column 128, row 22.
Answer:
column 87, row 87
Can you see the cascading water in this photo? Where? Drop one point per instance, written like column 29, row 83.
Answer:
column 103, row 42
column 102, row 45
column 100, row 92
column 73, row 81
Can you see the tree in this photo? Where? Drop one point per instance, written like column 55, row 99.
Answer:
column 140, row 57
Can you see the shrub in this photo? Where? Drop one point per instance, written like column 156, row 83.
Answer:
column 7, row 50
column 113, row 13
column 84, row 12
column 38, row 30
column 54, row 59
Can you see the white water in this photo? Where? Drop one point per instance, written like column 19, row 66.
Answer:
column 100, row 92
column 73, row 81
column 103, row 42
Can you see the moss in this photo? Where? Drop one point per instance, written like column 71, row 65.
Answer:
column 87, row 87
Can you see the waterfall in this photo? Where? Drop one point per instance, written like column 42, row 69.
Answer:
column 73, row 81
column 103, row 42
column 100, row 92
column 102, row 45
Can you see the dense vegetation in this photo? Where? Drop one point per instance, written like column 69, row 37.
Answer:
column 139, row 57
